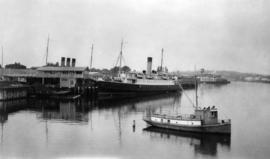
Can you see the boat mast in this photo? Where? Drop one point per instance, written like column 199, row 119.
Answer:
column 162, row 50
column 91, row 60
column 47, row 49
column 196, row 89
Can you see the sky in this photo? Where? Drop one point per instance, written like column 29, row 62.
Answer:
column 210, row 34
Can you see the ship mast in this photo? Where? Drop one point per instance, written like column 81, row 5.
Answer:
column 162, row 50
column 196, row 88
column 47, row 49
column 119, row 59
column 2, row 57
column 121, row 56
column 91, row 60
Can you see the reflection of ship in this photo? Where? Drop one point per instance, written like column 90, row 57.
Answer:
column 142, row 103
column 133, row 83
column 63, row 111
column 206, row 144
column 204, row 120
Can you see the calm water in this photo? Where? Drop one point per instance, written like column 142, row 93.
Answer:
column 53, row 129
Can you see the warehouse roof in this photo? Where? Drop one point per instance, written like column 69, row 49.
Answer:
column 50, row 68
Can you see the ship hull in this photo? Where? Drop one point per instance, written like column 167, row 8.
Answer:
column 127, row 88
column 221, row 128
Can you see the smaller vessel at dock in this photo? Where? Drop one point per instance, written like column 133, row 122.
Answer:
column 211, row 78
column 204, row 120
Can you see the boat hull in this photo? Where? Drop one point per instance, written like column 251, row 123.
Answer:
column 221, row 128
column 216, row 82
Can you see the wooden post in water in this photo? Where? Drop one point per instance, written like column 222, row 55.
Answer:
column 43, row 81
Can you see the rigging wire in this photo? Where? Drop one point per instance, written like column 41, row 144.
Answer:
column 194, row 106
column 118, row 58
column 124, row 61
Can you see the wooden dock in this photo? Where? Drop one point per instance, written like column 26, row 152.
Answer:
column 12, row 90
column 53, row 81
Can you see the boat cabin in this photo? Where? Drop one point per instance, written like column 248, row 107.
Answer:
column 207, row 115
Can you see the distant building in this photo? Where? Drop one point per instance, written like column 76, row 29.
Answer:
column 265, row 79
column 249, row 79
column 65, row 76
column 68, row 76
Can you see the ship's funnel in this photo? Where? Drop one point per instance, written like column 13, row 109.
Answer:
column 149, row 66
column 63, row 59
column 68, row 62
column 73, row 63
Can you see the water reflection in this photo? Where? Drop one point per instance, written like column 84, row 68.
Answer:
column 140, row 104
column 9, row 107
column 121, row 120
column 89, row 128
column 77, row 111
column 122, row 109
column 64, row 111
column 205, row 144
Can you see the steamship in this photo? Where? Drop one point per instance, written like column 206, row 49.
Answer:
column 134, row 83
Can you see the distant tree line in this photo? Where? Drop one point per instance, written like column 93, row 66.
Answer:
column 112, row 72
column 16, row 65
column 53, row 64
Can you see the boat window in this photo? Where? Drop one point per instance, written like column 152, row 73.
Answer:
column 214, row 114
column 169, row 121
